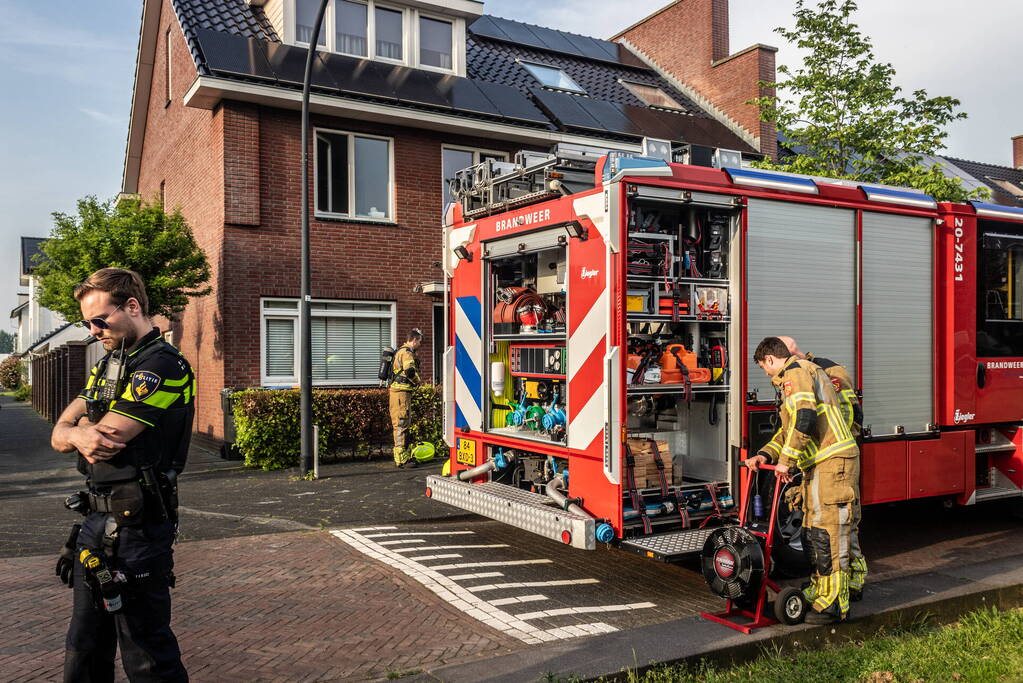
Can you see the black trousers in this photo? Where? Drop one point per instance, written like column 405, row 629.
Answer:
column 149, row 650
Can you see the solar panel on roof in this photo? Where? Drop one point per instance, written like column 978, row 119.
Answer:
column 549, row 38
column 654, row 123
column 415, row 86
column 589, row 47
column 359, row 76
column 520, row 33
column 611, row 116
column 288, row 62
column 487, row 27
column 566, row 109
column 465, row 95
column 228, row 53
column 511, row 103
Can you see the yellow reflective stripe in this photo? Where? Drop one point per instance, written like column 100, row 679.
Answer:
column 161, row 399
column 134, row 417
column 771, row 447
column 828, row 452
column 175, row 382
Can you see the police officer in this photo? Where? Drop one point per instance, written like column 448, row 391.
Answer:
column 404, row 378
column 853, row 413
column 131, row 426
column 815, row 438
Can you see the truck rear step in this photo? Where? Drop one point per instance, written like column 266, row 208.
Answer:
column 529, row 511
column 671, row 546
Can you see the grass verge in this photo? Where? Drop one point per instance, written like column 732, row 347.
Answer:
column 986, row 645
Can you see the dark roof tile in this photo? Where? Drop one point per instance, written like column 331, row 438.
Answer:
column 988, row 173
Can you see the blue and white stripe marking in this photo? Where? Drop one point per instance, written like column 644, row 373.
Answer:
column 468, row 352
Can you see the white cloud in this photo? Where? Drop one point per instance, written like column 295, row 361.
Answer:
column 104, row 118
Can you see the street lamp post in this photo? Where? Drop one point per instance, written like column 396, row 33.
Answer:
column 305, row 381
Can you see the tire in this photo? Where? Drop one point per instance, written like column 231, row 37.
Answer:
column 790, row 606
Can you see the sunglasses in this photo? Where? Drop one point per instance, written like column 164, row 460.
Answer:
column 100, row 322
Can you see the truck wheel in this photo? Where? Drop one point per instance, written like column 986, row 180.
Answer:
column 790, row 606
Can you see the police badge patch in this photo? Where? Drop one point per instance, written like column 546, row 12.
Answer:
column 143, row 384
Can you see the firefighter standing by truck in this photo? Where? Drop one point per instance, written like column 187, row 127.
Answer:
column 404, row 378
column 131, row 426
column 815, row 438
column 853, row 413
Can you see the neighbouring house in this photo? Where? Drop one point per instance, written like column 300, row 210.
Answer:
column 404, row 94
column 37, row 329
column 1005, row 182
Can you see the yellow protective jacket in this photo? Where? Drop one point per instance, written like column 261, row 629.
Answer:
column 813, row 428
column 847, row 399
column 405, row 370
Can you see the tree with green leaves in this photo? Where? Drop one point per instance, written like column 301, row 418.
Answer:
column 130, row 233
column 843, row 116
column 6, row 342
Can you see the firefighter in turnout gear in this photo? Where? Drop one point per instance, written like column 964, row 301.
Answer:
column 131, row 427
column 815, row 438
column 853, row 413
column 404, row 378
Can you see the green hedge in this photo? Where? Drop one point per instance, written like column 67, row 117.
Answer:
column 352, row 422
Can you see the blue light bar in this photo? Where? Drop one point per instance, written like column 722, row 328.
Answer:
column 998, row 211
column 772, row 180
column 620, row 164
column 906, row 197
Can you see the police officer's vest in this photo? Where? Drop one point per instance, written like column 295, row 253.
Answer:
column 163, row 445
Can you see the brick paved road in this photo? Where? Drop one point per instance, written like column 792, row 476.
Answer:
column 258, row 604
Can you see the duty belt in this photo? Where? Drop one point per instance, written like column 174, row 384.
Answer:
column 99, row 502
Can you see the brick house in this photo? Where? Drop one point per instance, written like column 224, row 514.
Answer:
column 404, row 94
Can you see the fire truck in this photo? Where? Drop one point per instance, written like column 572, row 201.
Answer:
column 602, row 312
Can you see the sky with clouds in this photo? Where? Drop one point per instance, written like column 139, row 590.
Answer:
column 66, row 69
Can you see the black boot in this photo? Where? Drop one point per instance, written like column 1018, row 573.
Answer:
column 823, row 618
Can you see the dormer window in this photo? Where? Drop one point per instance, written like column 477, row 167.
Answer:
column 385, row 30
column 651, row 95
column 552, row 77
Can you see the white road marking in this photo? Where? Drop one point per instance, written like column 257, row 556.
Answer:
column 419, row 533
column 374, row 528
column 443, row 547
column 530, row 584
column 506, row 563
column 561, row 611
column 521, row 598
column 460, row 598
column 402, row 542
column 481, row 575
column 446, row 556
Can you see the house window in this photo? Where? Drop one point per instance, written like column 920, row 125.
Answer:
column 1007, row 185
column 346, row 340
column 380, row 30
column 354, row 175
column 454, row 159
column 305, row 17
column 552, row 77
column 389, row 34
column 651, row 95
column 352, row 19
column 435, row 43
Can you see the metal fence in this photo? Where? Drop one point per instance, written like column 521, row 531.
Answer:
column 58, row 376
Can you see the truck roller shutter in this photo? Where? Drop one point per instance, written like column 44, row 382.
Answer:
column 898, row 323
column 801, row 282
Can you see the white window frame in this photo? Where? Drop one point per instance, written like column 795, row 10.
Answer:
column 455, row 55
column 524, row 63
column 627, row 84
column 390, row 217
column 410, row 34
column 477, row 152
column 168, row 68
column 284, row 314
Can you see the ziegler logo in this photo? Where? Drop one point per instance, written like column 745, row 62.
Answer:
column 522, row 219
column 957, row 266
column 586, row 274
column 962, row 417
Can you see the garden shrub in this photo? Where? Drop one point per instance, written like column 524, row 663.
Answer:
column 10, row 373
column 350, row 421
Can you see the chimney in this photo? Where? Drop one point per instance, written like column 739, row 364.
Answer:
column 1017, row 152
column 687, row 41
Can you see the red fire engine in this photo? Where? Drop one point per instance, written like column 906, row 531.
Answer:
column 602, row 313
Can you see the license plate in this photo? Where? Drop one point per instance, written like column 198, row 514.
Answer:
column 466, row 453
